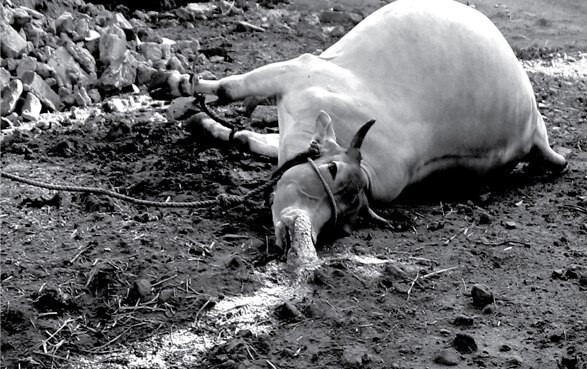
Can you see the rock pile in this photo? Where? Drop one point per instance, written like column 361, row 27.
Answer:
column 54, row 59
column 77, row 58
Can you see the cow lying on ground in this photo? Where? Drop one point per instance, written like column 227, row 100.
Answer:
column 441, row 82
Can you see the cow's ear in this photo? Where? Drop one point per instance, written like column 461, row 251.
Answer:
column 324, row 131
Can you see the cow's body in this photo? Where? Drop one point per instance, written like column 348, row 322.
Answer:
column 442, row 83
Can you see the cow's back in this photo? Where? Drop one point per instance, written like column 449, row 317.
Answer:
column 444, row 83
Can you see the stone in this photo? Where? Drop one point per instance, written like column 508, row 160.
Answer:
column 186, row 47
column 92, row 42
column 64, row 24
column 144, row 74
column 45, row 71
column 120, row 74
column 182, row 108
column 33, row 13
column 35, row 84
column 66, row 95
column 94, row 94
column 81, row 96
column 112, row 44
column 337, row 17
column 334, row 31
column 155, row 51
column 10, row 96
column 141, row 288
column 82, row 56
column 484, row 218
column 20, row 18
column 120, row 21
column 463, row 321
column 5, row 123
column 26, row 63
column 166, row 294
column 481, row 295
column 31, row 108
column 447, row 357
column 35, row 34
column 12, row 45
column 174, row 64
column 288, row 312
column 4, row 78
column 355, row 356
column 200, row 10
column 510, row 225
column 67, row 69
column 464, row 343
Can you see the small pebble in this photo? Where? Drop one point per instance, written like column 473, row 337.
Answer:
column 166, row 294
column 288, row 312
column 488, row 309
column 464, row 343
column 481, row 295
column 510, row 225
column 463, row 321
column 141, row 287
column 447, row 357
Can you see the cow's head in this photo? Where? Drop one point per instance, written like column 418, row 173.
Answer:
column 330, row 189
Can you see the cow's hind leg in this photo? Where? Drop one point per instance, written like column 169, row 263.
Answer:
column 543, row 157
column 262, row 144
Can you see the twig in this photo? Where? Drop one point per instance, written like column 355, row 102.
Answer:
column 501, row 243
column 270, row 364
column 50, row 355
column 163, row 280
column 80, row 253
column 110, row 342
column 251, row 26
column 575, row 207
column 413, row 283
column 438, row 272
column 202, row 309
column 65, row 323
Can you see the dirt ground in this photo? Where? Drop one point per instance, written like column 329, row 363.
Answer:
column 90, row 282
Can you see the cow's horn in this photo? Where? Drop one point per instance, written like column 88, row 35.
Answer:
column 360, row 135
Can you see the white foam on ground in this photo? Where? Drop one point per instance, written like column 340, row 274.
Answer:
column 572, row 67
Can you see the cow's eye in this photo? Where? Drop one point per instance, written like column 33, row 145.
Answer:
column 332, row 169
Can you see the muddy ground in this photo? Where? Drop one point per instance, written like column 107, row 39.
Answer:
column 92, row 282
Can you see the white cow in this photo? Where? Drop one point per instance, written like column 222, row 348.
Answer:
column 442, row 83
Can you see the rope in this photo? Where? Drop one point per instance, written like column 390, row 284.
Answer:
column 201, row 99
column 223, row 200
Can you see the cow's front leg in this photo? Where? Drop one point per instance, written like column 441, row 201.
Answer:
column 267, row 81
column 262, row 144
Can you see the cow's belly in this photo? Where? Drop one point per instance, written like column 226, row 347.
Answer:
column 446, row 90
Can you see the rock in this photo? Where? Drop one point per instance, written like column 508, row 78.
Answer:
column 155, row 51
column 166, row 294
column 35, row 84
column 141, row 288
column 92, row 42
column 94, row 94
column 182, row 108
column 200, row 10
column 120, row 21
column 488, row 309
column 45, row 71
column 5, row 123
column 510, row 225
column 464, row 343
column 66, row 95
column 340, row 17
column 12, row 45
column 482, row 295
column 447, row 357
column 288, row 312
column 175, row 64
column 31, row 108
column 334, row 31
column 35, row 34
column 144, row 74
column 67, row 70
column 64, row 24
column 463, row 321
column 82, row 56
column 355, row 356
column 10, row 96
column 484, row 218
column 20, row 18
column 81, row 96
column 112, row 44
column 515, row 361
column 4, row 78
column 120, row 74
column 26, row 63
column 186, row 47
